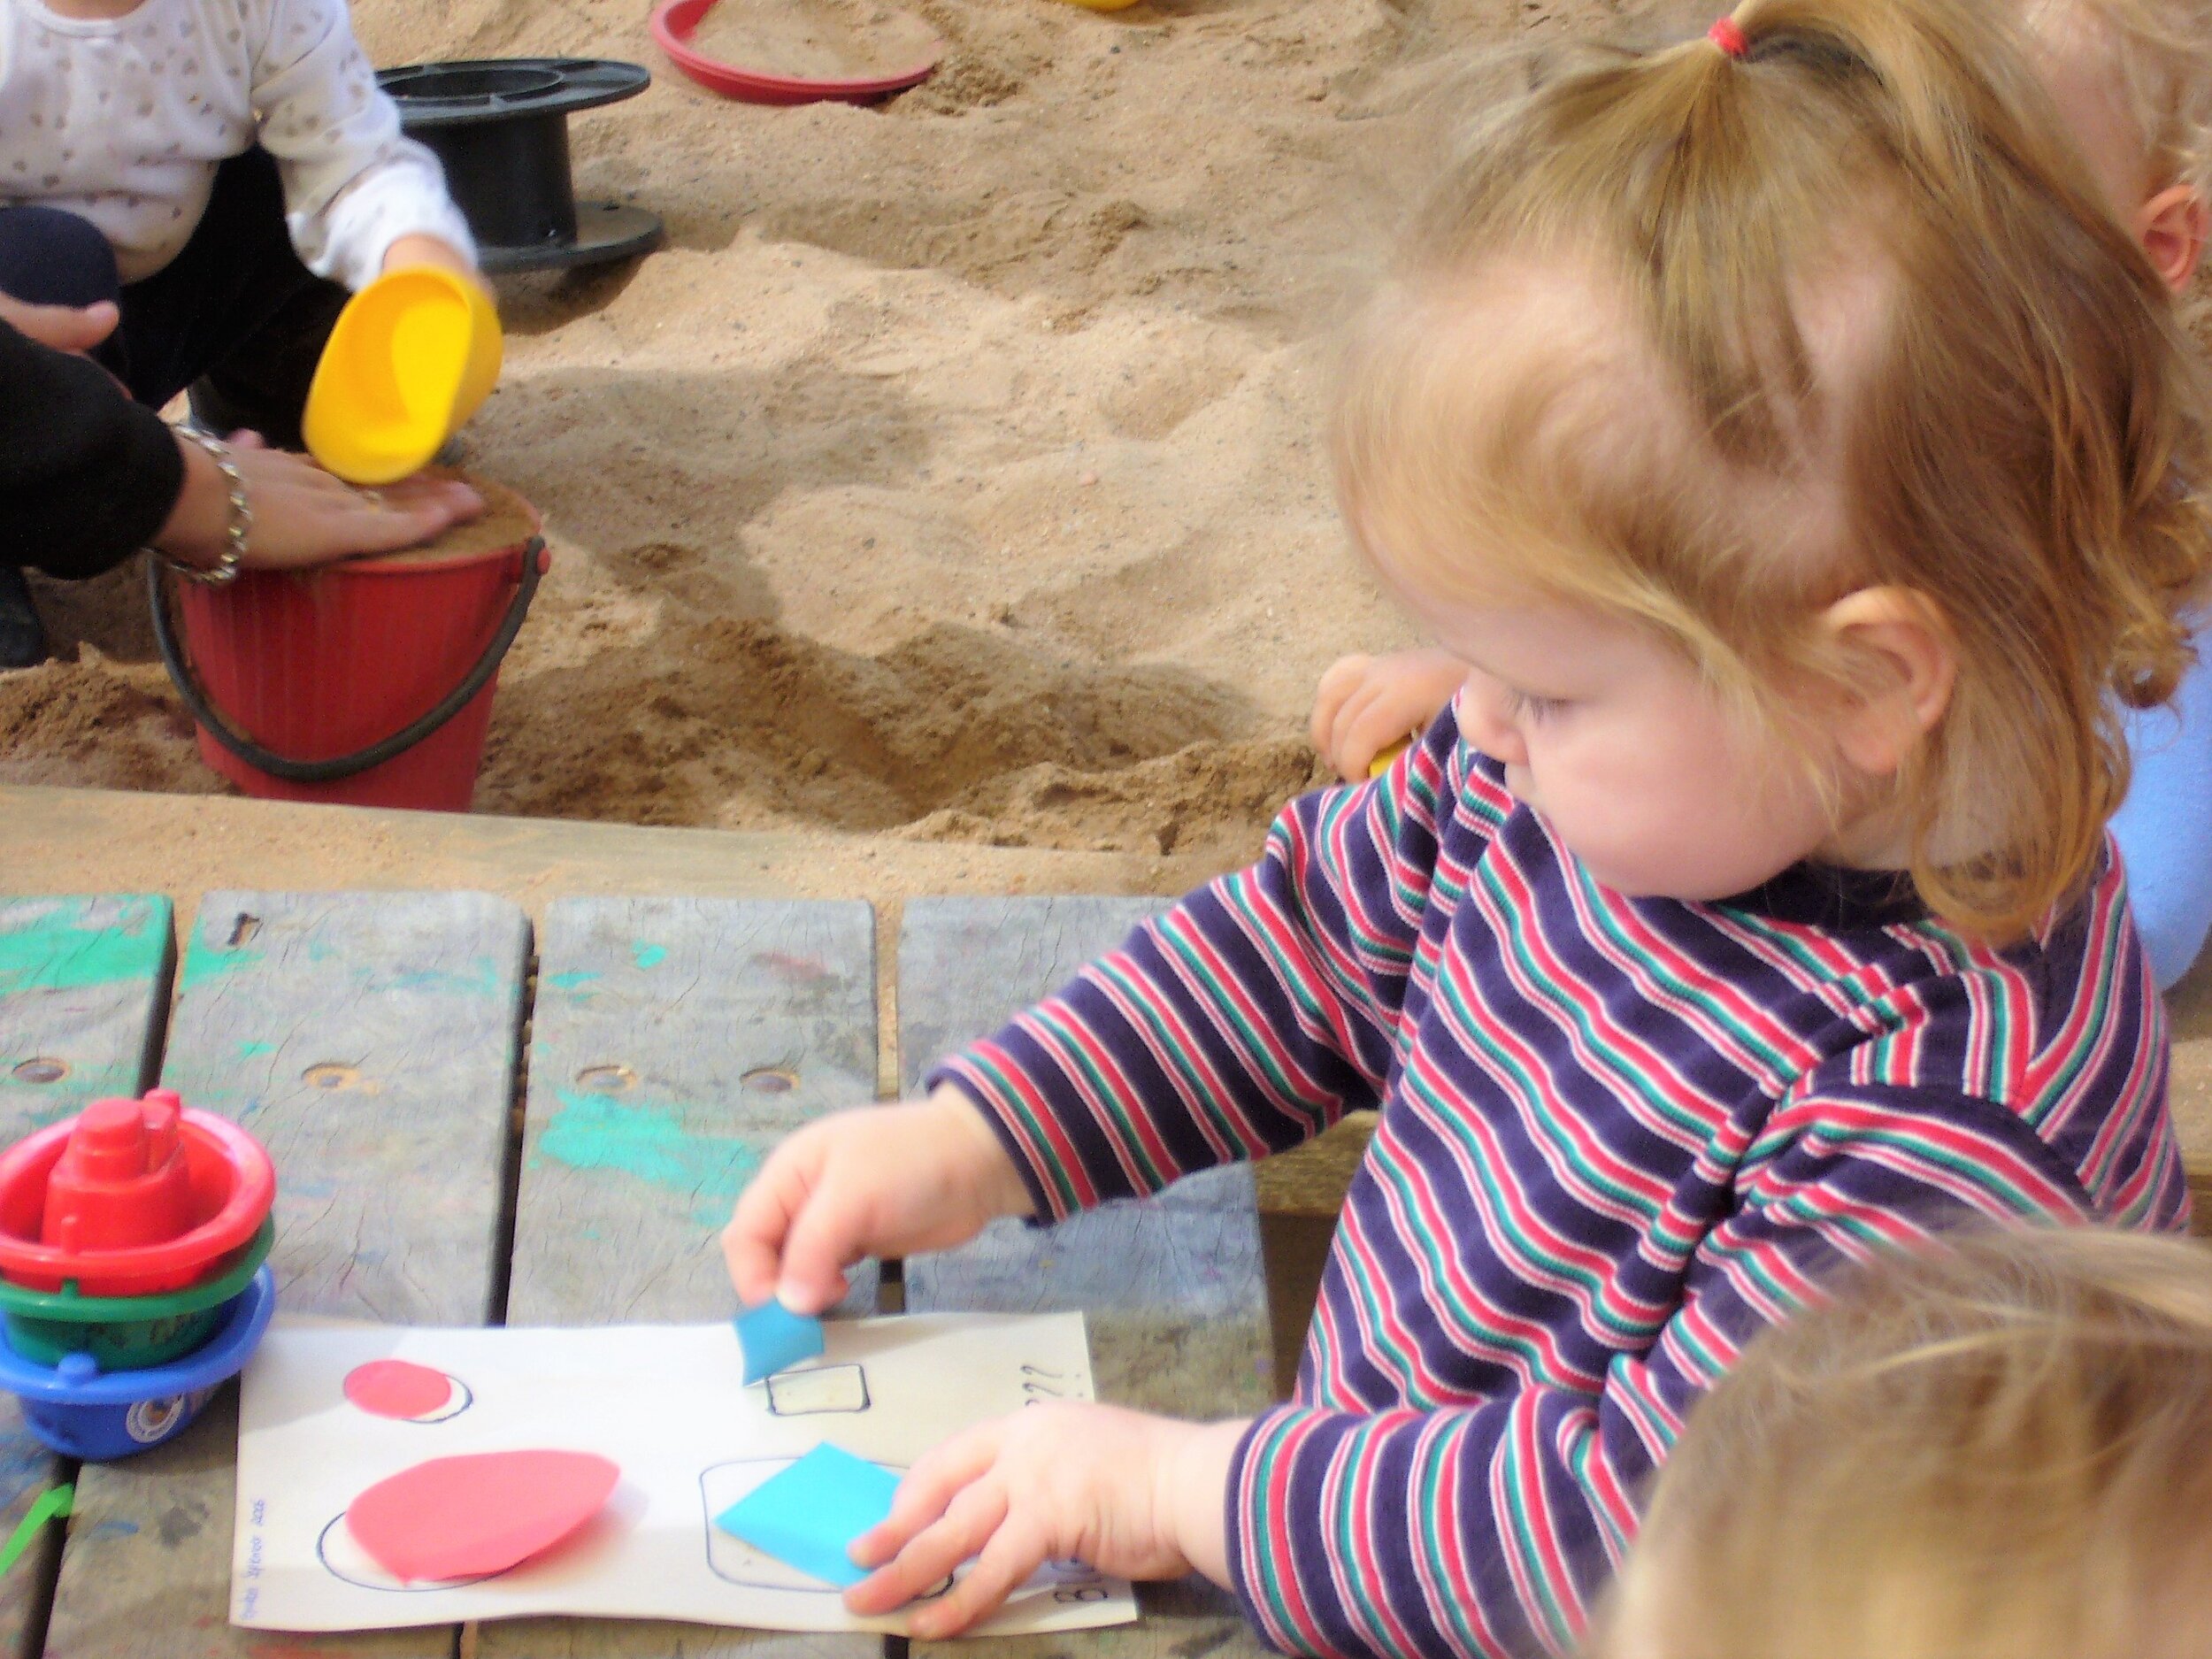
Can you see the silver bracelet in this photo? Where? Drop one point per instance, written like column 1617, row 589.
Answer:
column 225, row 568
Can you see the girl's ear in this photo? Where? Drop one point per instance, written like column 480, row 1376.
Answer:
column 1903, row 663
column 2172, row 228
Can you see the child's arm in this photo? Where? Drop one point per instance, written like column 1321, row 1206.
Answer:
column 2164, row 826
column 353, row 187
column 1254, row 1014
column 1250, row 1017
column 1485, row 1529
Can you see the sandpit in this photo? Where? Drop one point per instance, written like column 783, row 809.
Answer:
column 956, row 473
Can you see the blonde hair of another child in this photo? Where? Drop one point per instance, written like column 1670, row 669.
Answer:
column 2000, row 1448
column 2007, row 443
column 2162, row 58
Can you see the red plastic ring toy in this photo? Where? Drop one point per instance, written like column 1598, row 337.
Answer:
column 233, row 1185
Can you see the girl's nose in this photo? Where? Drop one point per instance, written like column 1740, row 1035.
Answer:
column 1486, row 722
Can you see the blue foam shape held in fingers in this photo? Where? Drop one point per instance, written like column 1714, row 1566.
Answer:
column 775, row 1338
column 808, row 1516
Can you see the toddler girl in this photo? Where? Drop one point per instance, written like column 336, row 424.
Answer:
column 1786, row 438
column 1999, row 1448
column 224, row 171
column 2133, row 80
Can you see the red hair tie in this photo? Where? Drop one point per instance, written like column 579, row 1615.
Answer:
column 1728, row 35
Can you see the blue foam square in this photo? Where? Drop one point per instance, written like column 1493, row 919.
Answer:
column 808, row 1516
column 775, row 1338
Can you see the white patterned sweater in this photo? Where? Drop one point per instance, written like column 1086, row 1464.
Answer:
column 124, row 120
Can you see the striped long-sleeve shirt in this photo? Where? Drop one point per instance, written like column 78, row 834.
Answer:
column 1617, row 1137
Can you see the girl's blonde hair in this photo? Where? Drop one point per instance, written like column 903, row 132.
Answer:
column 2017, row 435
column 1997, row 1449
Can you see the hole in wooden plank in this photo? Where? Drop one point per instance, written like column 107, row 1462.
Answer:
column 772, row 1079
column 330, row 1074
column 243, row 929
column 42, row 1069
column 606, row 1080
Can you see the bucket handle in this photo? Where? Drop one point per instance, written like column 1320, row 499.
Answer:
column 203, row 709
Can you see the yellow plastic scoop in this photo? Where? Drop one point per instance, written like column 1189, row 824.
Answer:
column 411, row 357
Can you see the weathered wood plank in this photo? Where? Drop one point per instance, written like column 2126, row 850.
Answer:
column 675, row 1042
column 1171, row 1286
column 2190, row 1089
column 371, row 1041
column 84, row 988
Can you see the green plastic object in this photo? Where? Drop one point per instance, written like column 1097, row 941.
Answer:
column 54, row 1503
column 127, row 1333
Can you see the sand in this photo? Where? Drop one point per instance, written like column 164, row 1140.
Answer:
column 956, row 472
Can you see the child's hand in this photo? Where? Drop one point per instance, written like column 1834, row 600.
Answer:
column 882, row 1180
column 1366, row 703
column 1134, row 1496
column 63, row 328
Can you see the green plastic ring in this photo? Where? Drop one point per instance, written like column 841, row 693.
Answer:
column 67, row 1304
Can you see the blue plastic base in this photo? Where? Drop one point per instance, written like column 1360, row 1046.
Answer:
column 81, row 1413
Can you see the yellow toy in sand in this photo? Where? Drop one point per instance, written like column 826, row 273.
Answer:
column 411, row 357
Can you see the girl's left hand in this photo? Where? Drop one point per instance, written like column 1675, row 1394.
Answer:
column 1133, row 1495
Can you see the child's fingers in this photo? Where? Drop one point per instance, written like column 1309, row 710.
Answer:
column 818, row 1244
column 1338, row 683
column 966, row 1526
column 752, row 1244
column 936, row 1479
column 1351, row 747
column 1016, row 1550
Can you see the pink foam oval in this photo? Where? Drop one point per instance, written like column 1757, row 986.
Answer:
column 398, row 1388
column 468, row 1517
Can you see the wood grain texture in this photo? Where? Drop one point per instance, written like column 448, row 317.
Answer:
column 1171, row 1286
column 2190, row 1087
column 676, row 1041
column 371, row 1041
column 84, row 988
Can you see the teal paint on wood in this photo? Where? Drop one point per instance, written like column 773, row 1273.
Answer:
column 650, row 1141
column 205, row 962
column 652, row 956
column 68, row 944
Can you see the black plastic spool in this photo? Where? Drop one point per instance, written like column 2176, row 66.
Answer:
column 500, row 127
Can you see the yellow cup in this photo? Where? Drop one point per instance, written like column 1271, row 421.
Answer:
column 411, row 357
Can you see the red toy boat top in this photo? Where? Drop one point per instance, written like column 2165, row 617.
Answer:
column 675, row 21
column 132, row 1198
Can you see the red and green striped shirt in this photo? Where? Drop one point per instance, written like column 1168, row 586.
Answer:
column 1618, row 1136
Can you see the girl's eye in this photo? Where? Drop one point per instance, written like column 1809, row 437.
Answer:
column 1535, row 709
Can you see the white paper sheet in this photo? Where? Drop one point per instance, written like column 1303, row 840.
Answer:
column 668, row 1404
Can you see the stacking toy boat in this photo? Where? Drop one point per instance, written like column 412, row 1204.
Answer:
column 133, row 1239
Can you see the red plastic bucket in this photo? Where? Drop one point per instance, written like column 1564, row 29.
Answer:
column 305, row 670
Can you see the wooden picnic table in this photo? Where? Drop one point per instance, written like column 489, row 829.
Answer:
column 478, row 1122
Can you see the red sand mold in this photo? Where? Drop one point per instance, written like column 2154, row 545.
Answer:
column 469, row 1517
column 398, row 1388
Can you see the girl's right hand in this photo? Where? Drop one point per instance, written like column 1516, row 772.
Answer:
column 303, row 515
column 879, row 1181
column 1366, row 703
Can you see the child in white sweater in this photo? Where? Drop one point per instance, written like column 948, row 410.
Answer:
column 224, row 171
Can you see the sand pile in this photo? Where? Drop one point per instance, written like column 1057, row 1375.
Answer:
column 956, row 471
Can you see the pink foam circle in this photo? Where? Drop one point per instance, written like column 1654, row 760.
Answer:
column 398, row 1388
column 470, row 1517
